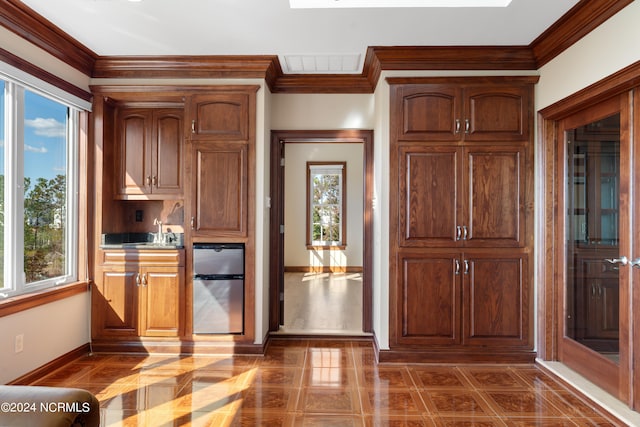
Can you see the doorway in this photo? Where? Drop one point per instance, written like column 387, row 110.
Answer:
column 588, row 227
column 314, row 276
column 596, row 224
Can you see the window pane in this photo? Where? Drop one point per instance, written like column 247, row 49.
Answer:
column 2, row 173
column 45, row 194
column 326, row 203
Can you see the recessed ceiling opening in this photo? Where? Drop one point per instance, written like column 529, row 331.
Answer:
column 321, row 64
column 334, row 4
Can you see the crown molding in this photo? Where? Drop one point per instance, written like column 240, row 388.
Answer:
column 579, row 21
column 575, row 24
column 26, row 23
column 455, row 58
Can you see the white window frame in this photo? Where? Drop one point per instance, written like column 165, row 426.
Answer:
column 14, row 275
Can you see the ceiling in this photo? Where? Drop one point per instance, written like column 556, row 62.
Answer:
column 328, row 40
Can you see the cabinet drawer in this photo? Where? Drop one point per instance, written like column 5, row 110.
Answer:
column 144, row 257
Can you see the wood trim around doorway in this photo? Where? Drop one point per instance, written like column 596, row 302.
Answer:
column 276, row 266
column 549, row 239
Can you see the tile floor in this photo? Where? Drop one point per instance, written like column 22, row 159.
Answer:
column 320, row 383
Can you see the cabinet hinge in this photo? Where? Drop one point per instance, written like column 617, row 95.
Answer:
column 281, row 228
column 282, row 161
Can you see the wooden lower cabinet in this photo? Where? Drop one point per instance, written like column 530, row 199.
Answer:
column 137, row 300
column 466, row 302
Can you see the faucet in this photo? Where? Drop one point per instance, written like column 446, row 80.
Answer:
column 159, row 236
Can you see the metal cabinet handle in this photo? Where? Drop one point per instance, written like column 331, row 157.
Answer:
column 155, row 181
column 193, row 126
column 148, row 180
column 138, row 279
column 466, row 266
column 467, row 126
column 457, row 126
column 465, row 233
column 622, row 260
column 458, row 232
column 193, row 223
column 144, row 279
column 457, row 272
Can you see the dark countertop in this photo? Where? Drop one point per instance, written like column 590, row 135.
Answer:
column 140, row 241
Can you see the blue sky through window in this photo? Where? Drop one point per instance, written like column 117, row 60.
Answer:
column 44, row 137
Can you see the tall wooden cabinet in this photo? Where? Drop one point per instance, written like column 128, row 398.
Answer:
column 221, row 131
column 461, row 219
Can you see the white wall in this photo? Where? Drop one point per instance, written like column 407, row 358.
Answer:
column 296, row 157
column 49, row 331
column 318, row 112
column 263, row 211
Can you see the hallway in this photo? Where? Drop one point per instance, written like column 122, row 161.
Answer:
column 322, row 303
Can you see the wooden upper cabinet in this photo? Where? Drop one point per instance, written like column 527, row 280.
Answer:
column 219, row 116
column 220, row 179
column 461, row 197
column 429, row 112
column 495, row 180
column 168, row 160
column 133, row 165
column 497, row 113
column 149, row 163
column 458, row 112
column 430, row 200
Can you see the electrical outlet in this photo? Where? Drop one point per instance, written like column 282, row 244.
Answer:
column 19, row 344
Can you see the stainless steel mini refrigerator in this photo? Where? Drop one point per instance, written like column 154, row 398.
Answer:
column 218, row 288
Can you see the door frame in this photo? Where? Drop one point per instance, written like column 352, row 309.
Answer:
column 549, row 232
column 276, row 239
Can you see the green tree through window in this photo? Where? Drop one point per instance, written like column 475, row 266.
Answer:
column 326, row 203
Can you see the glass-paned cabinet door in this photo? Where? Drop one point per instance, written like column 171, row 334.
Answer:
column 593, row 182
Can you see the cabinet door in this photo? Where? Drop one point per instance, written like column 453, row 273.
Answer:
column 161, row 295
column 429, row 189
column 427, row 112
column 497, row 113
column 496, row 300
column 429, row 299
column 167, row 152
column 133, row 162
column 222, row 116
column 495, row 211
column 220, row 183
column 115, row 304
column 603, row 317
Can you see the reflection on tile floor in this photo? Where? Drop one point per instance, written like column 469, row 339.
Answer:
column 320, row 383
